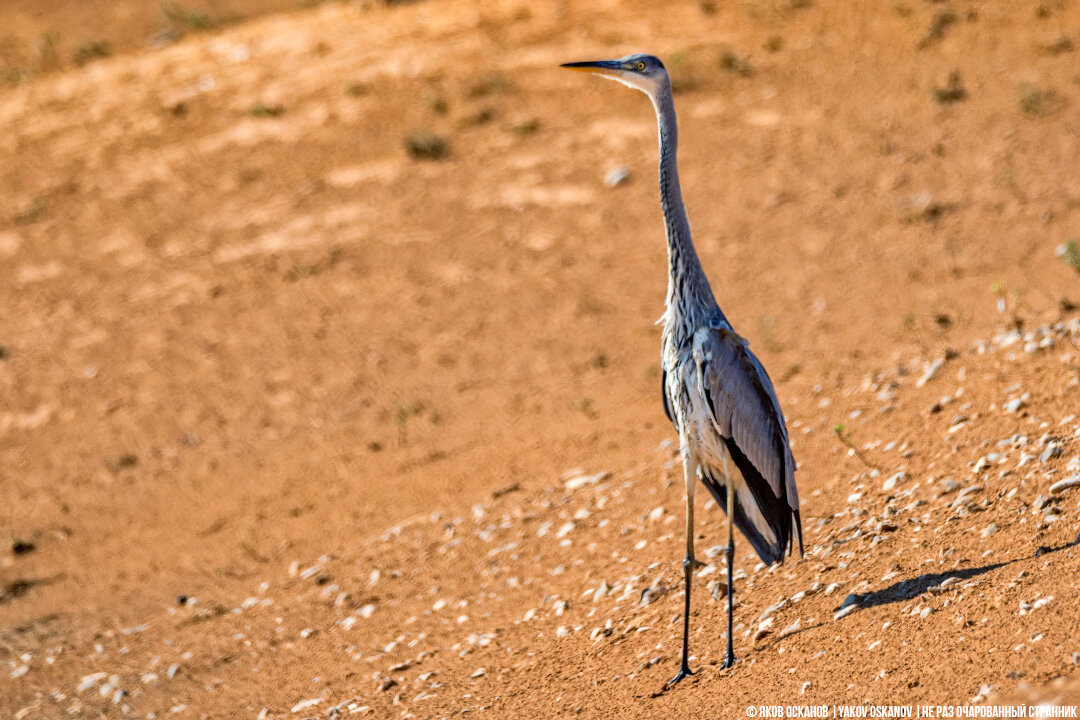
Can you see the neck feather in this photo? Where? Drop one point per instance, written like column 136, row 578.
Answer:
column 688, row 288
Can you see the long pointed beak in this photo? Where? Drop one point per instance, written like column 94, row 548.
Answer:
column 600, row 67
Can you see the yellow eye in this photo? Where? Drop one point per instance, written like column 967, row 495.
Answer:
column 640, row 66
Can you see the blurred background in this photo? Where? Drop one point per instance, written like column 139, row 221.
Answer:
column 277, row 275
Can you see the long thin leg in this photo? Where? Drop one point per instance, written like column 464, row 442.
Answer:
column 729, row 659
column 688, row 569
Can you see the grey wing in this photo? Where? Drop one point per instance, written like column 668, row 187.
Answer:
column 747, row 415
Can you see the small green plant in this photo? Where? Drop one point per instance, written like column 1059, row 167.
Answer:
column 125, row 462
column 733, row 63
column 21, row 547
column 13, row 76
column 839, row 429
column 426, row 145
column 436, row 104
column 1070, row 254
column 262, row 110
column 401, row 420
column 480, row 117
column 489, row 86
column 1062, row 45
column 938, row 27
column 47, row 47
column 525, row 127
column 952, row 92
column 32, row 213
column 1036, row 102
column 91, row 50
column 192, row 19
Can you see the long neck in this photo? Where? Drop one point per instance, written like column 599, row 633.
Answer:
column 688, row 288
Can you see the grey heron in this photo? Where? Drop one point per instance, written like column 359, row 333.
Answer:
column 732, row 435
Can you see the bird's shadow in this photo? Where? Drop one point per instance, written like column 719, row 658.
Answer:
column 913, row 587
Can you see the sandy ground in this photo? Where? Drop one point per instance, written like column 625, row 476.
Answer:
column 296, row 424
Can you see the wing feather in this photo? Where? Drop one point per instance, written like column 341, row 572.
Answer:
column 747, row 414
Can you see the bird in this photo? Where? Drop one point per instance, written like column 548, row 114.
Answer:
column 732, row 435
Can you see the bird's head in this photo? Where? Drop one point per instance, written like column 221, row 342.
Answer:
column 643, row 72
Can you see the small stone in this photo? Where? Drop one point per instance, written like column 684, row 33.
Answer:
column 806, row 686
column 651, row 594
column 715, row 550
column 304, row 704
column 173, row 670
column 1041, row 602
column 931, row 371
column 1041, row 501
column 717, row 589
column 562, row 632
column 790, row 629
column 764, row 628
column 602, row 591
column 984, row 691
column 989, row 530
column 1014, row 405
column 480, row 672
column 1051, row 452
column 893, row 480
column 577, row 479
column 386, row 683
column 845, row 612
column 1064, row 484
column 776, row 607
column 617, row 176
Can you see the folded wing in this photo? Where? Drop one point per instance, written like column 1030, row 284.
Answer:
column 747, row 415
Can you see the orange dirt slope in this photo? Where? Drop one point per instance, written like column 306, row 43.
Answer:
column 294, row 423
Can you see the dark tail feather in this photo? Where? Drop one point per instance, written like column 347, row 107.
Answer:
column 768, row 552
column 797, row 521
column 779, row 516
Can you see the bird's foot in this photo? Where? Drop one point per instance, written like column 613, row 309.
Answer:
column 729, row 661
column 684, row 672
